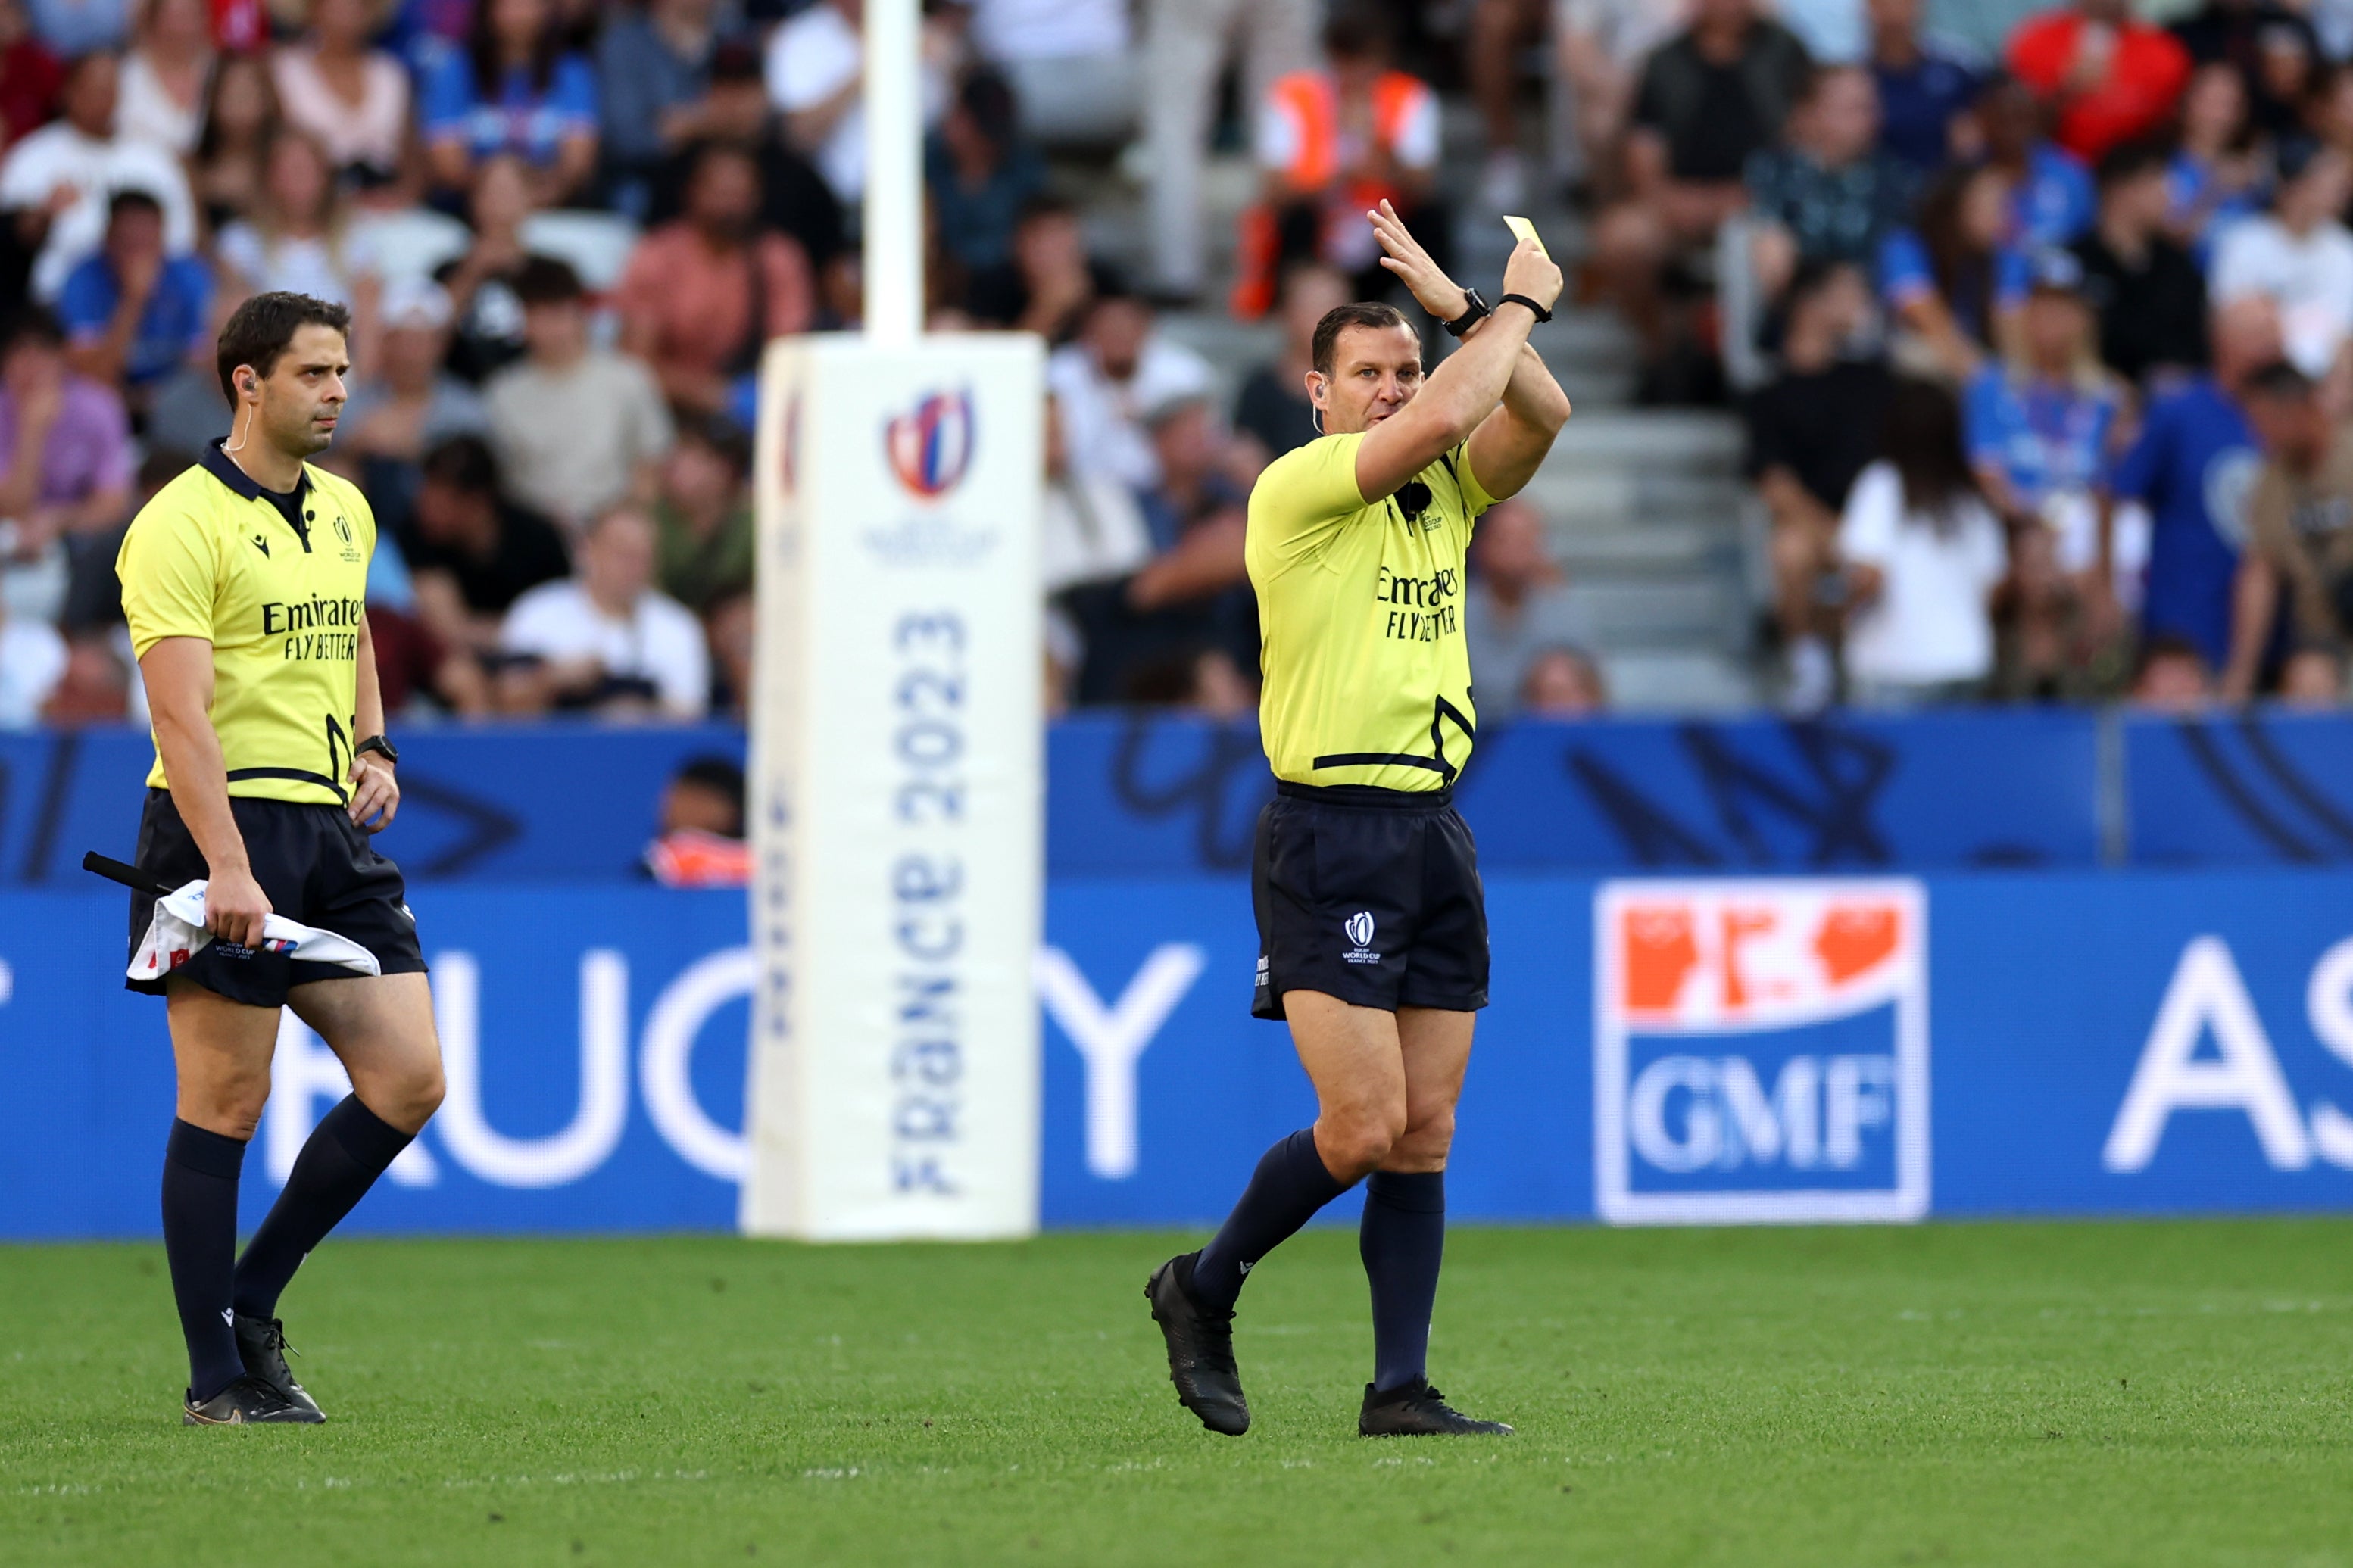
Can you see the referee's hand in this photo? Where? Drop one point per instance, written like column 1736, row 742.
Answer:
column 234, row 906
column 375, row 795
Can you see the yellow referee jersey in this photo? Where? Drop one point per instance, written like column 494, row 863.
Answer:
column 1360, row 619
column 278, row 585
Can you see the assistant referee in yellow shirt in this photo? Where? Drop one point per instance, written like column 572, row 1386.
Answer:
column 245, row 581
column 1372, row 924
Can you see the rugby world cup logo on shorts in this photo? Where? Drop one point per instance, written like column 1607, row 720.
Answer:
column 1359, row 927
column 1760, row 1051
column 931, row 447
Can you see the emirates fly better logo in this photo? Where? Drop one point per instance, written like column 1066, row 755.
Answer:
column 931, row 445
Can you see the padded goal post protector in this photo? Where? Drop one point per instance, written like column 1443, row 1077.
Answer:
column 897, row 790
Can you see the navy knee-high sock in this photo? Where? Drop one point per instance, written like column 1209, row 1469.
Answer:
column 1289, row 1185
column 1402, row 1240
column 340, row 1161
column 200, row 1170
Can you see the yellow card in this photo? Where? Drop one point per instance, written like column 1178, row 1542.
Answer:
column 1523, row 229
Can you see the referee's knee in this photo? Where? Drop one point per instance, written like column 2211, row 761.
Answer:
column 411, row 1096
column 1355, row 1140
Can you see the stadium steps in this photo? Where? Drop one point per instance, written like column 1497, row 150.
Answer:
column 1646, row 507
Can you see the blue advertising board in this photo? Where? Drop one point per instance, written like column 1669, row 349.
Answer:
column 1869, row 1047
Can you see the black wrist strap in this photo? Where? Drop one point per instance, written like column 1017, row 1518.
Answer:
column 1538, row 311
column 379, row 745
column 1474, row 310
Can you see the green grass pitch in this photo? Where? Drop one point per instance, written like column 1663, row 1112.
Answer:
column 2060, row 1394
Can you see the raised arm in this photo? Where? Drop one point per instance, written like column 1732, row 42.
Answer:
column 1510, row 444
column 1468, row 387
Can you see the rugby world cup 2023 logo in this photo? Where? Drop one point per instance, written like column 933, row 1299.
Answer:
column 931, row 445
column 1760, row 1051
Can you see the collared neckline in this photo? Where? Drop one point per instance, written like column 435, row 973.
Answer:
column 222, row 467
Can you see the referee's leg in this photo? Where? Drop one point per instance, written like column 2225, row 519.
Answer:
column 381, row 1028
column 221, row 1050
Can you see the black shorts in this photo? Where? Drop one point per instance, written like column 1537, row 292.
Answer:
column 1369, row 895
column 315, row 865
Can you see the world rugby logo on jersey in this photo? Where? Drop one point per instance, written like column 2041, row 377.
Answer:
column 931, row 445
column 1760, row 1051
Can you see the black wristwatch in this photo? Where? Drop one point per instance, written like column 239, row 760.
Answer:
column 380, row 746
column 1541, row 314
column 1474, row 310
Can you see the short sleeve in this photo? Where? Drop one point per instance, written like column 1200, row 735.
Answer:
column 1649, row 95
column 448, row 96
column 572, row 96
column 24, row 175
column 1417, row 137
column 1904, row 272
column 1303, row 495
column 1476, row 499
column 1874, row 509
column 169, row 568
column 1984, row 427
column 2013, row 278
column 2134, row 477
column 85, row 304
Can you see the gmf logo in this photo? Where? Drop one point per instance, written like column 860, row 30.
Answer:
column 931, row 447
column 1760, row 1051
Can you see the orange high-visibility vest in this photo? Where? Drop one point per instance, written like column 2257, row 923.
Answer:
column 1310, row 99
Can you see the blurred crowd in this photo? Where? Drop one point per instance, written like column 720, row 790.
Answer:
column 2042, row 349
column 2041, row 341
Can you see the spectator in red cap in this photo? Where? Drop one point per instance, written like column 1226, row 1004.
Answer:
column 2108, row 76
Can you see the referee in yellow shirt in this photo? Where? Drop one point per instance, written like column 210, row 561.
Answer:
column 245, row 581
column 1372, row 924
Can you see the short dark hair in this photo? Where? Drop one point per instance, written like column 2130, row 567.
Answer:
column 31, row 324
column 720, row 434
column 2280, row 382
column 544, row 280
column 464, row 464
column 718, row 774
column 131, row 200
column 2131, row 160
column 987, row 98
column 1356, row 31
column 263, row 328
column 2167, row 647
column 1814, row 275
column 1340, row 318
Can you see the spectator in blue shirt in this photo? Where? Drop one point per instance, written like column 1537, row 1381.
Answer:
column 515, row 91
column 653, row 73
column 2214, row 177
column 1950, row 281
column 1828, row 193
column 2195, row 465
column 1922, row 90
column 2053, row 199
column 2038, row 425
column 981, row 173
column 131, row 313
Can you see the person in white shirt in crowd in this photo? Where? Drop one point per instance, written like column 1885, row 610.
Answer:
column 1923, row 556
column 816, row 70
column 2299, row 256
column 1091, row 531
column 1186, row 45
column 352, row 97
column 1517, row 605
column 577, row 428
column 604, row 640
column 300, row 237
column 164, row 73
column 32, row 661
column 1120, row 367
column 1070, row 63
column 56, row 182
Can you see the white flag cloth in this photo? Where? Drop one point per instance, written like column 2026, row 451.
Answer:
column 177, row 933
